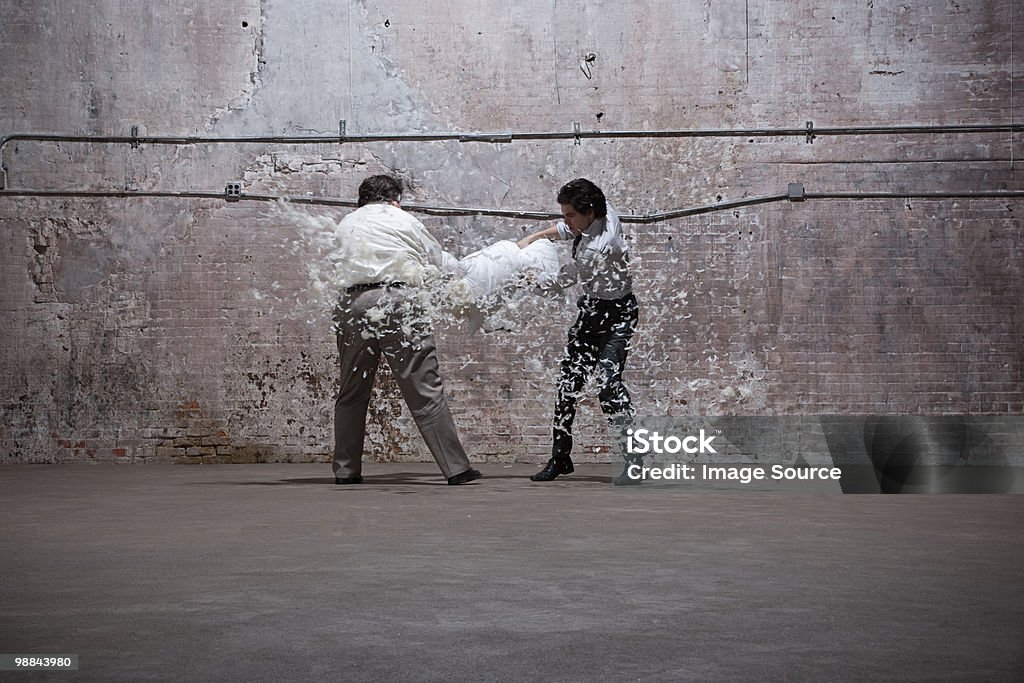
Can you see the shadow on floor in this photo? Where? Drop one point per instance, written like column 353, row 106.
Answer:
column 414, row 479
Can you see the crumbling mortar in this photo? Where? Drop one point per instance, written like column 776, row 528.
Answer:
column 255, row 75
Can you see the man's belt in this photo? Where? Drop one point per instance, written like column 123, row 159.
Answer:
column 355, row 289
column 593, row 302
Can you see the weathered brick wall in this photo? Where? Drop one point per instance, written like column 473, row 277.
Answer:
column 159, row 329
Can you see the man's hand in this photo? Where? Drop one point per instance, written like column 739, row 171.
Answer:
column 548, row 233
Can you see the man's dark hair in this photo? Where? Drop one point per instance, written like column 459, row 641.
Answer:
column 379, row 188
column 584, row 196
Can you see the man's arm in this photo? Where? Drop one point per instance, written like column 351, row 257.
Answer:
column 436, row 256
column 552, row 233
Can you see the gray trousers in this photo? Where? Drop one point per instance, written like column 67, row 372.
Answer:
column 390, row 322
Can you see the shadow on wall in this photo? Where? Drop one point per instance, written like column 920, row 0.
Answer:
column 922, row 454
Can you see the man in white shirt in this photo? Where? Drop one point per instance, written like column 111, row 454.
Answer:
column 384, row 257
column 599, row 340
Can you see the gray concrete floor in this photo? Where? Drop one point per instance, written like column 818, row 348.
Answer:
column 273, row 573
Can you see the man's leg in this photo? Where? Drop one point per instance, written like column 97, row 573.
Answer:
column 413, row 361
column 579, row 359
column 358, row 359
column 611, row 363
column 616, row 405
column 614, row 397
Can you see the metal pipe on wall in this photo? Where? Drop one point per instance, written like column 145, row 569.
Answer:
column 808, row 132
column 510, row 136
column 794, row 195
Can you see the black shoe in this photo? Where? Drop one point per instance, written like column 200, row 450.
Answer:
column 464, row 477
column 624, row 479
column 357, row 479
column 553, row 469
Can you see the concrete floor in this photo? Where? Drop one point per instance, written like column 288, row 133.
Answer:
column 273, row 573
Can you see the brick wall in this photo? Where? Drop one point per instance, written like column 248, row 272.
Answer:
column 146, row 329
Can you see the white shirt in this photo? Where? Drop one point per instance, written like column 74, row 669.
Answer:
column 602, row 259
column 381, row 243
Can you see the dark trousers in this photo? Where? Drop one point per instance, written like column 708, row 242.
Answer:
column 598, row 342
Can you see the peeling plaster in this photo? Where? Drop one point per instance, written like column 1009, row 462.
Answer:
column 243, row 100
